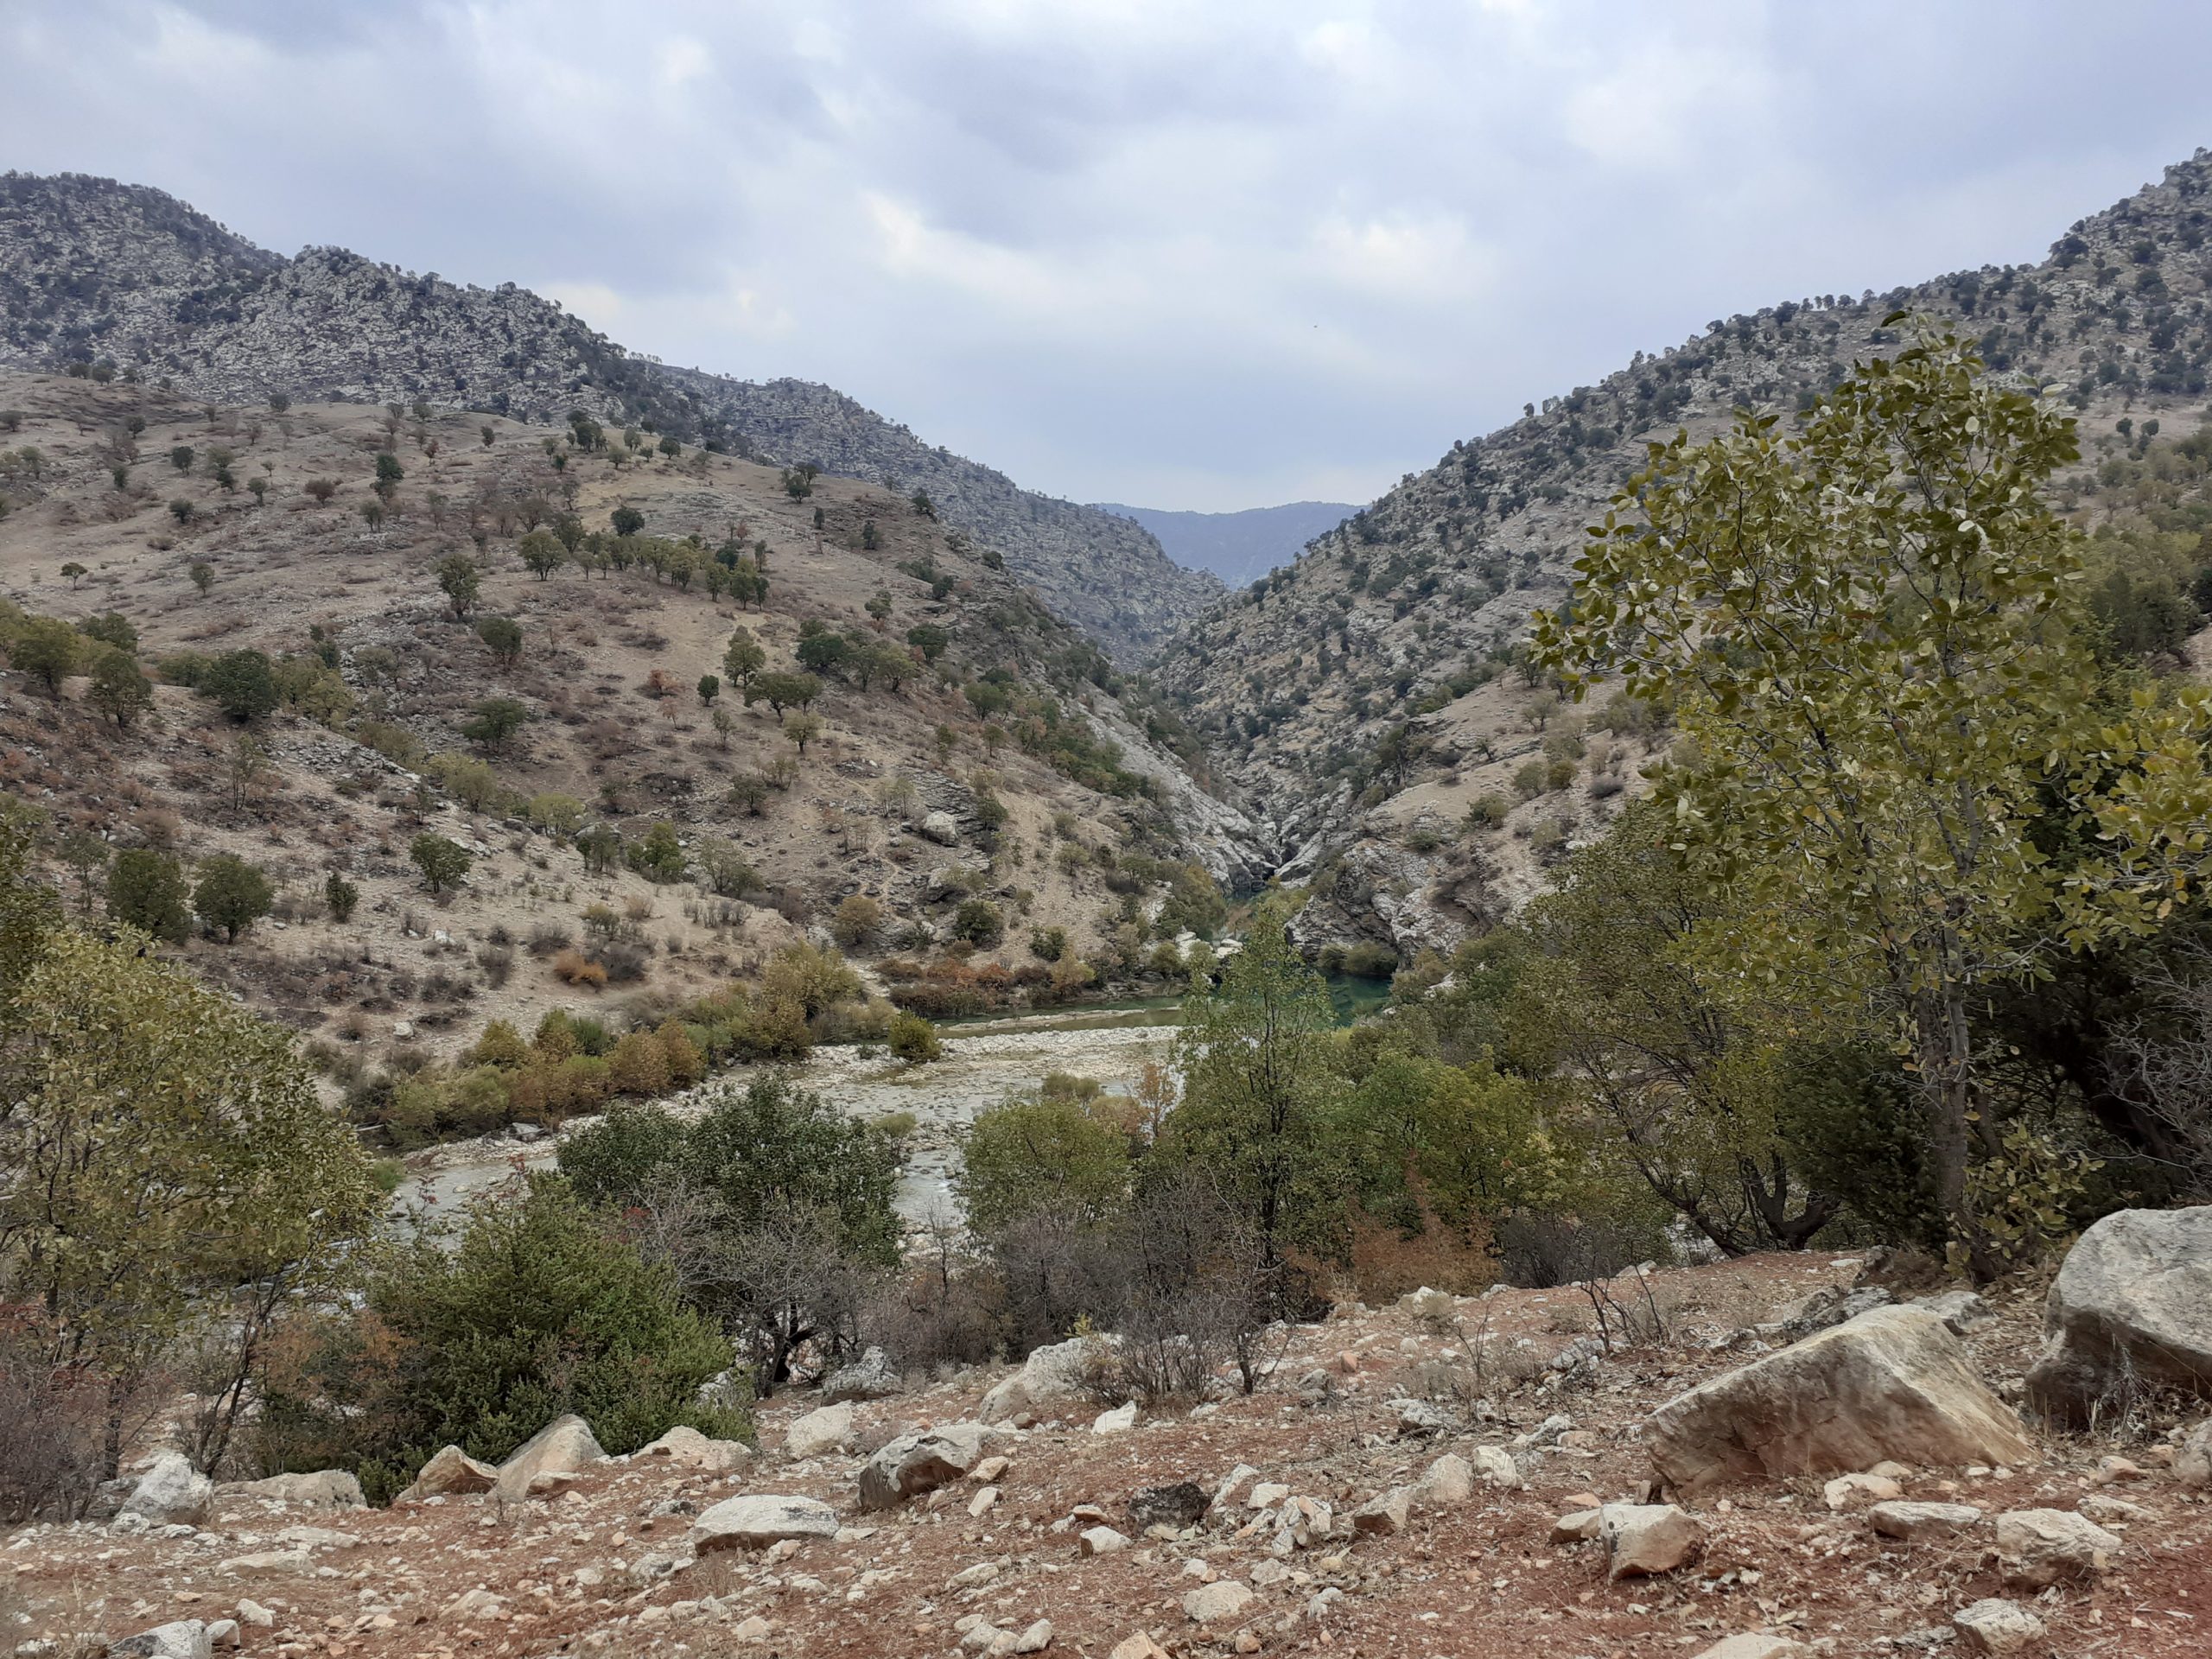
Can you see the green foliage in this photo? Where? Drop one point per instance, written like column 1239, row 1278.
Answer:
column 913, row 1039
column 119, row 688
column 627, row 521
column 443, row 863
column 341, row 896
column 1194, row 905
column 542, row 553
column 495, row 721
column 146, row 890
column 978, row 921
column 461, row 581
column 242, row 683
column 231, row 894
column 47, row 650
column 658, row 856
column 782, row 691
column 930, row 639
column 743, row 659
column 502, row 637
column 111, row 628
column 1048, row 1157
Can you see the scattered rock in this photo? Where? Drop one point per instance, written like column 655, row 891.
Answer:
column 1893, row 1382
column 1437, row 1307
column 941, row 828
column 1757, row 1644
column 326, row 1488
column 1422, row 1417
column 1962, row 1310
column 1450, row 1479
column 224, row 1633
column 1234, row 1484
column 171, row 1493
column 1830, row 1306
column 1644, row 1539
column 1183, row 1504
column 1035, row 1639
column 252, row 1612
column 1216, row 1603
column 914, row 1464
column 2193, row 1460
column 1919, row 1523
column 1139, row 1646
column 2043, row 1547
column 1384, row 1513
column 820, row 1432
column 753, row 1629
column 1058, row 1373
column 561, row 1448
column 451, row 1473
column 1119, row 1421
column 869, row 1377
column 1101, row 1540
column 2099, row 1506
column 1997, row 1626
column 2131, row 1311
column 1266, row 1495
column 186, row 1638
column 692, row 1450
column 758, row 1521
column 1577, row 1526
column 1495, row 1464
column 985, row 1500
column 1845, row 1491
column 473, row 1606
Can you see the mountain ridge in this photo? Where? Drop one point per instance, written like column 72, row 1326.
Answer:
column 1236, row 546
column 93, row 270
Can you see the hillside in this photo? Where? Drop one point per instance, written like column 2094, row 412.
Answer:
column 1236, row 546
column 93, row 271
column 1408, row 615
column 990, row 765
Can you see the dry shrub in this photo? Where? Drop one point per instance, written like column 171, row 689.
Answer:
column 1387, row 1262
column 572, row 967
column 51, row 1432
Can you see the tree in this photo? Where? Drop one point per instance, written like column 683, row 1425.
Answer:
column 709, row 688
column 444, row 863
column 146, row 890
column 1260, row 1091
column 180, row 457
column 45, row 648
column 978, row 921
column 502, row 636
column 1869, row 634
column 495, row 721
column 242, row 683
column 782, row 691
column 921, row 503
column 724, row 867
column 744, row 659
column 341, row 896
column 111, row 628
column 658, row 856
column 320, row 490
column 799, row 482
column 74, row 572
column 801, row 729
column 231, row 894
column 388, row 471
column 879, row 607
column 542, row 553
column 461, row 581
column 930, row 639
column 1046, row 1157
column 181, row 509
column 203, row 576
column 627, row 521
column 821, row 652
column 171, row 1168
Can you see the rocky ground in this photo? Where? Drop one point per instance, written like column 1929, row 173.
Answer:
column 1487, row 1427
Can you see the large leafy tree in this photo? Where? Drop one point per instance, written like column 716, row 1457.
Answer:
column 1869, row 630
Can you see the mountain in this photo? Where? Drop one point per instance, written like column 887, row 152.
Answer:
column 1236, row 546
column 92, row 270
column 1363, row 701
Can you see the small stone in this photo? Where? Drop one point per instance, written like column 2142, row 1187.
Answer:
column 1757, row 1644
column 1577, row 1526
column 1119, row 1421
column 186, row 1638
column 988, row 1471
column 1644, row 1539
column 969, row 1577
column 984, row 1501
column 1495, row 1464
column 1267, row 1495
column 1235, row 1482
column 1215, row 1604
column 471, row 1605
column 253, row 1613
column 2101, row 1506
column 1139, row 1646
column 753, row 1630
column 1036, row 1638
column 2043, row 1547
column 1101, row 1540
column 1845, row 1491
column 1918, row 1522
column 1450, row 1479
column 1997, row 1626
column 1384, row 1513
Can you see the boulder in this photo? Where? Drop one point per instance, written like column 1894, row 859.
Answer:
column 1386, row 1513
column 561, row 1448
column 1846, row 1491
column 225, row 1633
column 941, row 828
column 1436, row 1307
column 1495, row 1464
column 758, row 1521
column 1918, row 1523
column 688, row 1448
column 2193, row 1460
column 1120, row 1420
column 1644, row 1539
column 1218, row 1603
column 869, row 1377
column 170, row 1492
column 326, row 1488
column 186, row 1638
column 1891, row 1384
column 1139, row 1646
column 1962, row 1310
column 2131, row 1311
column 1183, row 1504
column 2036, row 1547
column 1577, row 1526
column 1997, row 1626
column 820, row 1432
column 449, row 1474
column 1450, row 1479
column 1101, row 1540
column 1057, row 1374
column 471, row 1605
column 914, row 1464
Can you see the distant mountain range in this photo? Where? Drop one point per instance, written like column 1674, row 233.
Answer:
column 1238, row 547
column 93, row 271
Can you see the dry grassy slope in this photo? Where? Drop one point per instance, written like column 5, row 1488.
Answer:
column 1295, row 692
column 327, row 803
column 589, row 1571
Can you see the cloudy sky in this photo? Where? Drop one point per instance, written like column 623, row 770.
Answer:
column 1185, row 254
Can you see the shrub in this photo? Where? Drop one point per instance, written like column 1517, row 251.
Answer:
column 855, row 920
column 913, row 1039
column 1049, row 944
column 572, row 967
column 978, row 921
column 443, row 863
column 341, row 896
column 231, row 894
column 146, row 890
column 242, row 683
column 1048, row 1156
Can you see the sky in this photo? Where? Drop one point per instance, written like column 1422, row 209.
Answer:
column 1195, row 254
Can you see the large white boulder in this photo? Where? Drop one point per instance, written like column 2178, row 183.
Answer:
column 820, row 1432
column 1059, row 1375
column 2037, row 1548
column 561, row 1448
column 1892, row 1384
column 326, row 1488
column 914, row 1464
column 756, row 1522
column 1642, row 1539
column 2131, row 1311
column 450, row 1474
column 170, row 1492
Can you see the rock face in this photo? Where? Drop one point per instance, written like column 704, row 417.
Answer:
column 914, row 1464
column 561, row 1448
column 171, row 1492
column 1891, row 1384
column 326, row 1488
column 819, row 1432
column 755, row 1522
column 451, row 1473
column 2045, row 1547
column 2131, row 1310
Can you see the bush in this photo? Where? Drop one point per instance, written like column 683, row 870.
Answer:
column 978, row 921
column 231, row 894
column 443, row 863
column 1040, row 1157
column 242, row 683
column 146, row 890
column 1049, row 944
column 855, row 920
column 913, row 1039
column 341, row 896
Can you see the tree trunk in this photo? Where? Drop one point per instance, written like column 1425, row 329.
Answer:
column 1945, row 1042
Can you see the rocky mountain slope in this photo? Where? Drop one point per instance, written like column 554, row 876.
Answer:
column 1406, row 615
column 1449, row 1477
column 1237, row 546
column 93, row 271
column 203, row 529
